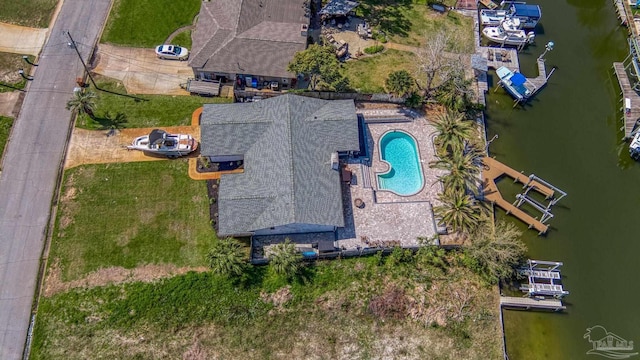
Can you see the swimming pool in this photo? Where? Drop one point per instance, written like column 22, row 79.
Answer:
column 400, row 151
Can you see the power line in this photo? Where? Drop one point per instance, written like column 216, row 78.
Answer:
column 75, row 47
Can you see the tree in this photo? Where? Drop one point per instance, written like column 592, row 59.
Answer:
column 496, row 251
column 434, row 64
column 227, row 258
column 455, row 92
column 459, row 211
column 285, row 259
column 453, row 132
column 462, row 169
column 321, row 65
column 83, row 102
column 400, row 82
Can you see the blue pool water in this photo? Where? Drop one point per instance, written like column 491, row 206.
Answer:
column 400, row 150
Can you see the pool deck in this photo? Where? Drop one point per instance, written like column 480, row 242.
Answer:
column 388, row 218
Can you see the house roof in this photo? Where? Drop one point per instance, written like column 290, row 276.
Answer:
column 287, row 143
column 255, row 37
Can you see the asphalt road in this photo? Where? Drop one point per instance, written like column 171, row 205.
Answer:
column 31, row 164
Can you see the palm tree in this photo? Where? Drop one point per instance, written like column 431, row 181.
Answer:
column 459, row 211
column 453, row 131
column 462, row 169
column 285, row 259
column 83, row 102
column 227, row 258
column 400, row 82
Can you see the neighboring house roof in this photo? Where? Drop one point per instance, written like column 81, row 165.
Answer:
column 255, row 37
column 287, row 142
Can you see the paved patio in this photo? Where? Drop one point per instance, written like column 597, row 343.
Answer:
column 386, row 218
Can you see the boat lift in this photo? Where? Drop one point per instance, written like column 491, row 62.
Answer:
column 544, row 279
column 633, row 60
column 545, row 210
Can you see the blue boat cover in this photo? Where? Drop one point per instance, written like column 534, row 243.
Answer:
column 532, row 11
column 518, row 79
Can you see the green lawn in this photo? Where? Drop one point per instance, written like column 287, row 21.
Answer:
column 130, row 214
column 32, row 13
column 5, row 128
column 355, row 308
column 10, row 79
column 159, row 110
column 146, row 23
column 183, row 39
column 413, row 22
column 368, row 74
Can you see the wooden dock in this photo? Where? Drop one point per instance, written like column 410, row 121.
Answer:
column 620, row 9
column 531, row 303
column 540, row 80
column 493, row 170
column 489, row 4
column 498, row 57
column 631, row 114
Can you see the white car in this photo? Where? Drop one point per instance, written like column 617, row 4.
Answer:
column 172, row 52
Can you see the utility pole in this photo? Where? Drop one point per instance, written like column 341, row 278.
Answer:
column 73, row 44
column 75, row 47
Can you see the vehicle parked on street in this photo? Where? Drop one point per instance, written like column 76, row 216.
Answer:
column 172, row 52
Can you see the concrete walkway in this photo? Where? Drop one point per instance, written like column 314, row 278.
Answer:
column 21, row 40
column 141, row 71
column 31, row 166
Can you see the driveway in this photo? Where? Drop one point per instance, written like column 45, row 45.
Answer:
column 141, row 71
column 21, row 40
column 8, row 101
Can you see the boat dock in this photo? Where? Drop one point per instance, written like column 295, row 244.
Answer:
column 622, row 14
column 489, row 4
column 493, row 170
column 499, row 57
column 630, row 100
column 527, row 303
column 541, row 80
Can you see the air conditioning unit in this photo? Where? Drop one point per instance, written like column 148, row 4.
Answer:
column 304, row 30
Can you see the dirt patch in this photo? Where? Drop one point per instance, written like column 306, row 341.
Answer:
column 113, row 275
column 10, row 103
column 95, row 147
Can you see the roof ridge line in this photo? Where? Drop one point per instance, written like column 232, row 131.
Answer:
column 291, row 173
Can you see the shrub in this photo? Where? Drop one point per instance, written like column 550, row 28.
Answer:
column 374, row 49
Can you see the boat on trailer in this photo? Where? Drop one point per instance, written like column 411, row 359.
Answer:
column 161, row 142
column 528, row 15
column 516, row 84
column 509, row 33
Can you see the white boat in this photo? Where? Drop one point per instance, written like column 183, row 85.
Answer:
column 508, row 33
column 162, row 143
column 634, row 147
column 529, row 15
column 516, row 84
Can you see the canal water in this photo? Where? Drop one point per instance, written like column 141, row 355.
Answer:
column 569, row 135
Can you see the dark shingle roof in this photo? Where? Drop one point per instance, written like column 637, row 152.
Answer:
column 257, row 37
column 287, row 142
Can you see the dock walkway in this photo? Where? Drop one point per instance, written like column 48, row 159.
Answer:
column 531, row 303
column 632, row 113
column 498, row 57
column 622, row 14
column 494, row 169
